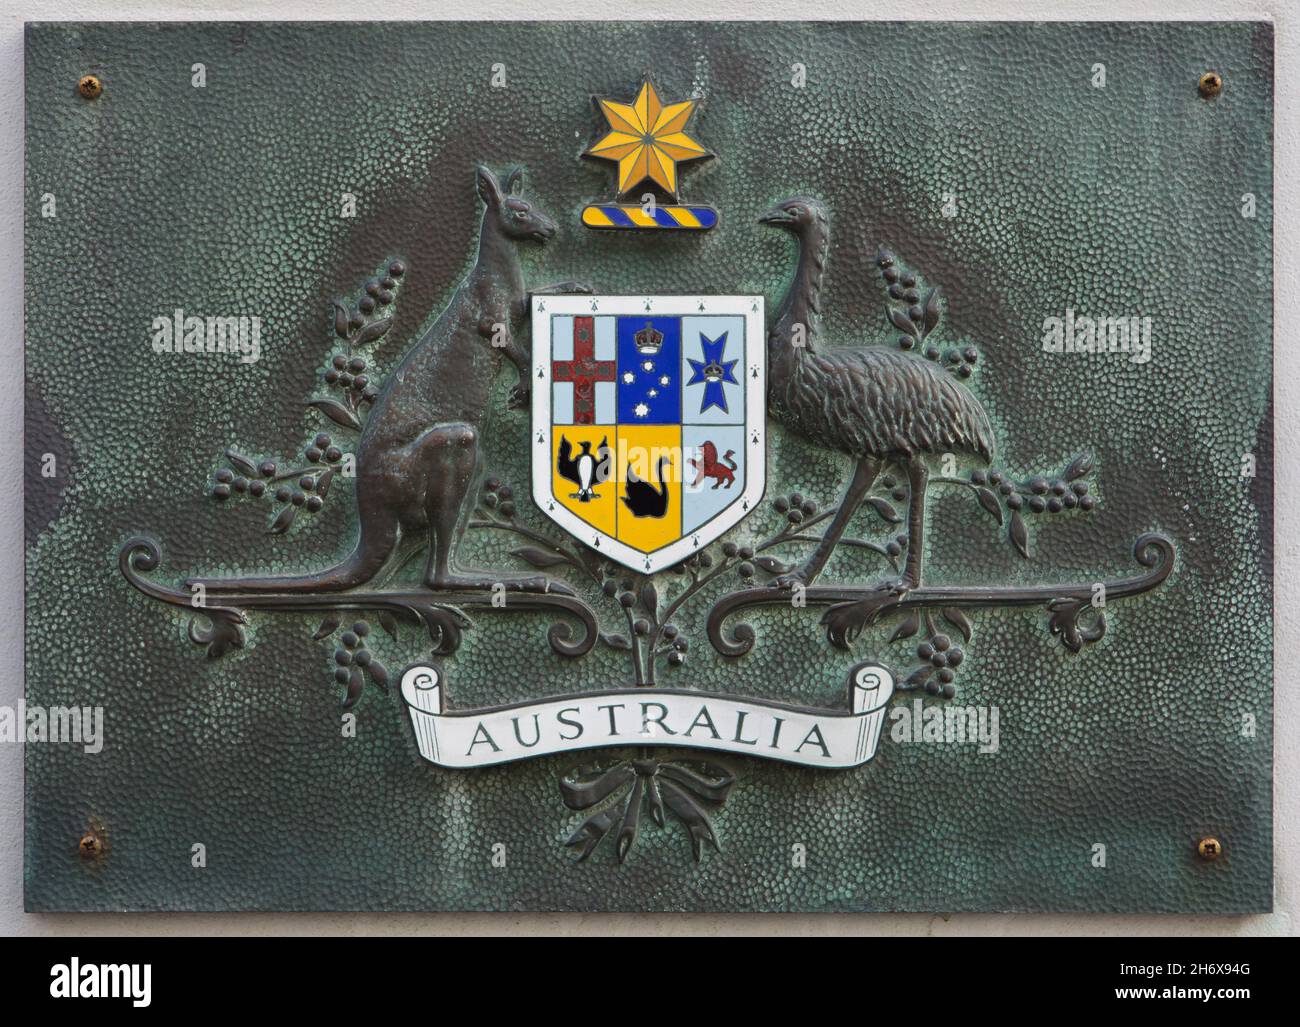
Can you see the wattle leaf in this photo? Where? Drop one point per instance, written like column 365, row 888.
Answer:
column 907, row 627
column 1019, row 534
column 355, row 684
column 902, row 322
column 919, row 676
column 323, row 482
column 1079, row 466
column 931, row 310
column 538, row 557
column 374, row 330
column 958, row 620
column 327, row 627
column 245, row 466
column 336, row 412
column 990, row 503
column 650, row 597
column 283, row 520
column 885, row 509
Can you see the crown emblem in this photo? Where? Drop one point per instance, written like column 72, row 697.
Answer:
column 648, row 340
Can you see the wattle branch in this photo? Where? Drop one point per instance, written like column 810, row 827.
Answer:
column 853, row 608
column 439, row 612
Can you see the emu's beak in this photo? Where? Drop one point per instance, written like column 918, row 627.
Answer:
column 775, row 216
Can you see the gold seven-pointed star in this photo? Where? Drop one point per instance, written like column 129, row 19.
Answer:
column 647, row 140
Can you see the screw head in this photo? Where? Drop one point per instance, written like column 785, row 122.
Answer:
column 90, row 86
column 1211, row 84
column 1209, row 849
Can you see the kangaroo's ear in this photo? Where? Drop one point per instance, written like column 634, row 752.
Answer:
column 488, row 187
column 515, row 180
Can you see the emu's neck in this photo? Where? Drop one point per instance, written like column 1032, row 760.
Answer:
column 795, row 329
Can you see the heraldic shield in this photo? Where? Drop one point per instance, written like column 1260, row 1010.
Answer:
column 649, row 435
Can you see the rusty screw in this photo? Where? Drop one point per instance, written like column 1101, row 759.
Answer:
column 1211, row 84
column 91, row 845
column 90, row 86
column 1209, row 849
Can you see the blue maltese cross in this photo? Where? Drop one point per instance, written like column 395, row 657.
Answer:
column 714, row 372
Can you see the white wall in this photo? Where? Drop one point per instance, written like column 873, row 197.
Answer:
column 1287, row 737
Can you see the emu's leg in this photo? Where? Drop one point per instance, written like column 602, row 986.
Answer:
column 918, row 476
column 864, row 476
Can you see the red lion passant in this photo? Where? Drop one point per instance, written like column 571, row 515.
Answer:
column 711, row 467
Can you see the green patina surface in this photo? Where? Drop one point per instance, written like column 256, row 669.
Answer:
column 1123, row 200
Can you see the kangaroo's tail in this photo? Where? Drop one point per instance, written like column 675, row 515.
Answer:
column 367, row 560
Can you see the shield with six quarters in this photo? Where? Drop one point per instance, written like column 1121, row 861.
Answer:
column 648, row 426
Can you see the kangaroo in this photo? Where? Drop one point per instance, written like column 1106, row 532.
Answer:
column 419, row 458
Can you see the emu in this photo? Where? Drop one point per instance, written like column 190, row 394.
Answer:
column 878, row 406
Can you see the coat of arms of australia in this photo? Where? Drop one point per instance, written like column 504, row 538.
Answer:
column 649, row 526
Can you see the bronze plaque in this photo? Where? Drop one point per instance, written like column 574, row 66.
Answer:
column 628, row 466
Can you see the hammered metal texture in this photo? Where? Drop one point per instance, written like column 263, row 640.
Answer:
column 224, row 199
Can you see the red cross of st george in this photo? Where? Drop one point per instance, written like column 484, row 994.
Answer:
column 584, row 370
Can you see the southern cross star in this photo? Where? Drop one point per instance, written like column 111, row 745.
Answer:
column 646, row 137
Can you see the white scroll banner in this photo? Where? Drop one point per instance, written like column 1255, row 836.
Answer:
column 648, row 716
